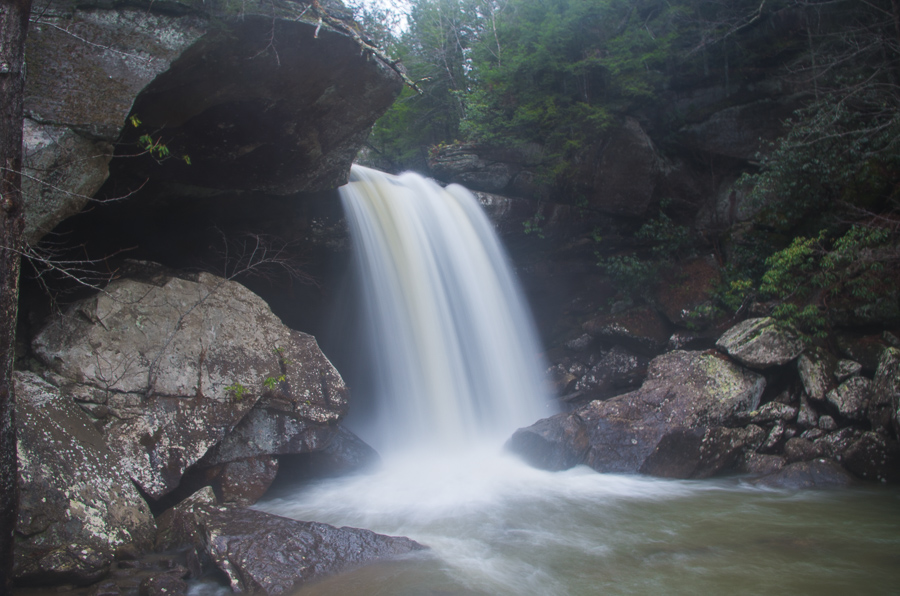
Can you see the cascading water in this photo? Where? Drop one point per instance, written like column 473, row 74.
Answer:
column 455, row 350
column 458, row 358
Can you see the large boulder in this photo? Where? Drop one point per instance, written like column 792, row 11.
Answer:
column 266, row 554
column 884, row 407
column 259, row 96
column 77, row 507
column 684, row 392
column 625, row 177
column 760, row 343
column 170, row 365
column 641, row 329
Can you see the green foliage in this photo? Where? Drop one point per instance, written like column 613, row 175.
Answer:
column 811, row 273
column 634, row 275
column 237, row 391
column 272, row 382
column 156, row 148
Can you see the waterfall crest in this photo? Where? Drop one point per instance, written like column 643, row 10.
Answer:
column 450, row 335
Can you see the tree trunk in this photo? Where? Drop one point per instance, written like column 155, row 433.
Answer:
column 13, row 27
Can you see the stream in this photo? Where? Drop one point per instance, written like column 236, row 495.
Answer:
column 498, row 527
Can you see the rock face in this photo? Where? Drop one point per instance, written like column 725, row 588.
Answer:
column 171, row 365
column 242, row 544
column 77, row 507
column 683, row 391
column 217, row 83
column 759, row 343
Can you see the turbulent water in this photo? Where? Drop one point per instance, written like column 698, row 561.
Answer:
column 450, row 335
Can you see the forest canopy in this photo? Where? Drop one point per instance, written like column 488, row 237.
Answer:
column 558, row 74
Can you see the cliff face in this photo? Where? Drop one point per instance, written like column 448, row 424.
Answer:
column 254, row 97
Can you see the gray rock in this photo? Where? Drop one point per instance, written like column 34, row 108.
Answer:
column 819, row 473
column 683, row 390
column 241, row 543
column 884, row 406
column 162, row 585
column 626, row 175
column 760, row 343
column 826, row 422
column 873, row 457
column 76, row 506
column 182, row 362
column 816, row 370
column 62, row 171
column 851, row 397
column 759, row 464
column 846, row 369
column 772, row 412
column 800, row 449
column 806, row 416
column 697, row 452
column 556, row 443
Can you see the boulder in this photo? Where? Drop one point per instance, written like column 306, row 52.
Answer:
column 243, row 543
column 615, row 370
column 816, row 368
column 214, row 81
column 760, row 343
column 884, row 406
column 625, row 177
column 851, row 398
column 77, row 507
column 699, row 452
column 819, row 473
column 557, row 443
column 683, row 390
column 739, row 131
column 179, row 362
column 873, row 457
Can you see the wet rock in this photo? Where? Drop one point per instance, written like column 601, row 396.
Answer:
column 806, row 415
column 345, row 453
column 774, row 439
column 556, row 443
column 816, row 369
column 884, row 406
column 262, row 553
column 162, row 585
column 759, row 464
column 639, row 329
column 76, row 506
column 245, row 481
column 873, row 457
column 683, row 390
column 851, row 398
column 697, row 452
column 837, row 442
column 613, row 371
column 772, row 412
column 800, row 449
column 760, row 343
column 819, row 473
column 182, row 361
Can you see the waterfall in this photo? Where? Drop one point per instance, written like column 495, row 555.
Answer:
column 451, row 338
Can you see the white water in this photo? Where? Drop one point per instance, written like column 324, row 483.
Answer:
column 460, row 374
column 450, row 336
